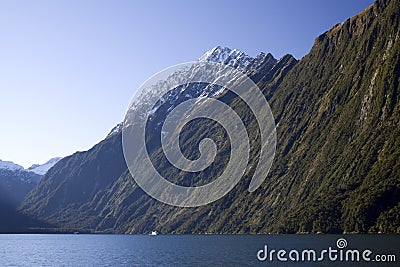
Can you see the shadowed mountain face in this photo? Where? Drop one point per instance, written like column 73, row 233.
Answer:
column 336, row 165
column 15, row 183
column 15, row 222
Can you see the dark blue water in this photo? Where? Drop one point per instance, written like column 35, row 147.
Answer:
column 185, row 250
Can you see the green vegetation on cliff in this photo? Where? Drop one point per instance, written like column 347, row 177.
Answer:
column 336, row 167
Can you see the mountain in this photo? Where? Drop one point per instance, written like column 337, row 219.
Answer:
column 41, row 169
column 336, row 164
column 16, row 182
column 9, row 165
column 337, row 167
column 86, row 183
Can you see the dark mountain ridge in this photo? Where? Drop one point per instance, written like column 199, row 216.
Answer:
column 16, row 182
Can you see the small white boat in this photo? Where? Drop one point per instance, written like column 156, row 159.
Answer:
column 153, row 233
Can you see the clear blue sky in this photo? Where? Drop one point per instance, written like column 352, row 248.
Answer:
column 68, row 69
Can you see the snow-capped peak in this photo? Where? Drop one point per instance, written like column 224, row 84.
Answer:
column 231, row 57
column 115, row 130
column 41, row 169
column 236, row 58
column 216, row 54
column 9, row 165
column 227, row 56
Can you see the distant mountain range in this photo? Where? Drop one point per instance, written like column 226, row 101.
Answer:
column 336, row 167
column 16, row 182
column 41, row 169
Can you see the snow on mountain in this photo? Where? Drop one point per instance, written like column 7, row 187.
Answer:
column 231, row 57
column 43, row 168
column 115, row 130
column 225, row 55
column 40, row 169
column 16, row 182
column 11, row 166
column 237, row 59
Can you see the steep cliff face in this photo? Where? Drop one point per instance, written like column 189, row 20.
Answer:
column 77, row 179
column 338, row 113
column 336, row 166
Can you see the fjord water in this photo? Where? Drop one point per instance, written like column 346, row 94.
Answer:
column 177, row 250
